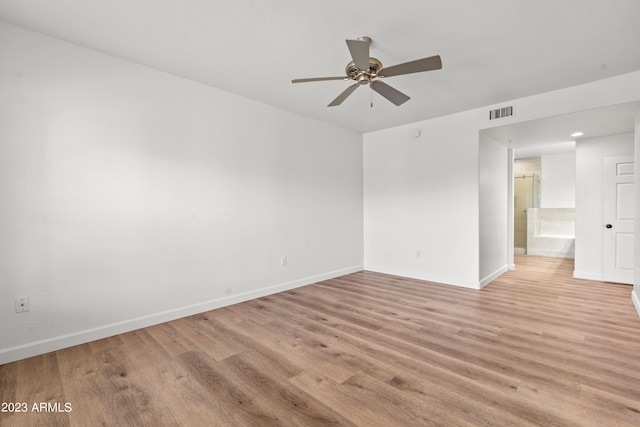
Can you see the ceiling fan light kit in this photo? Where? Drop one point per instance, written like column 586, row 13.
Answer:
column 365, row 70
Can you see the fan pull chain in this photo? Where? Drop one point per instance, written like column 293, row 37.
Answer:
column 371, row 93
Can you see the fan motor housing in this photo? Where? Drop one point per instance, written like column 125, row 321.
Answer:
column 363, row 76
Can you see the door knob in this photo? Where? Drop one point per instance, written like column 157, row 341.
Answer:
column 609, row 226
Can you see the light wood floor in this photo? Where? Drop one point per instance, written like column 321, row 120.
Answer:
column 535, row 347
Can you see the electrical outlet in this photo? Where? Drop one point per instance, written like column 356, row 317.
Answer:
column 22, row 304
column 418, row 254
column 283, row 261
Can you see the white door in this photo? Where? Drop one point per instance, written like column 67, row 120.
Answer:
column 618, row 219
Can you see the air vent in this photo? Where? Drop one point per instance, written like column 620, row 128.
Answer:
column 501, row 113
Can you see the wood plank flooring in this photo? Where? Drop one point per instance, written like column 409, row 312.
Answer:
column 535, row 347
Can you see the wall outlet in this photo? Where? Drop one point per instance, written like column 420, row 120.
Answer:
column 418, row 254
column 283, row 261
column 22, row 304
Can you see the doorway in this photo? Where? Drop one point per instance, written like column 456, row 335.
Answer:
column 553, row 135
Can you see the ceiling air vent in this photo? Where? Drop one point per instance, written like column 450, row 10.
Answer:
column 501, row 113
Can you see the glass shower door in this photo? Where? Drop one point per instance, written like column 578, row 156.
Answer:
column 526, row 195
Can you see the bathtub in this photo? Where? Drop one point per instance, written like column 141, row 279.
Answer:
column 551, row 232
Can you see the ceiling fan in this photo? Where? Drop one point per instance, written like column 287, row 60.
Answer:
column 366, row 70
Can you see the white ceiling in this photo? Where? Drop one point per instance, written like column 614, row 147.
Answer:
column 553, row 135
column 492, row 50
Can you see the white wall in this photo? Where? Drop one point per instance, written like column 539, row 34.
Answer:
column 590, row 154
column 423, row 193
column 130, row 196
column 493, row 208
column 636, row 276
column 558, row 180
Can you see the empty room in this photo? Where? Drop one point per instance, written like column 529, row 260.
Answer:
column 302, row 213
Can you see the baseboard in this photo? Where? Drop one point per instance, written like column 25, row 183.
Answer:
column 415, row 275
column 636, row 299
column 588, row 276
column 63, row 341
column 491, row 277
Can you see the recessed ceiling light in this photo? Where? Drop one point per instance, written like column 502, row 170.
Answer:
column 577, row 134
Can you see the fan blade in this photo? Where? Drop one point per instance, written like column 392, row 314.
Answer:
column 348, row 91
column 390, row 93
column 424, row 64
column 317, row 79
column 360, row 53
